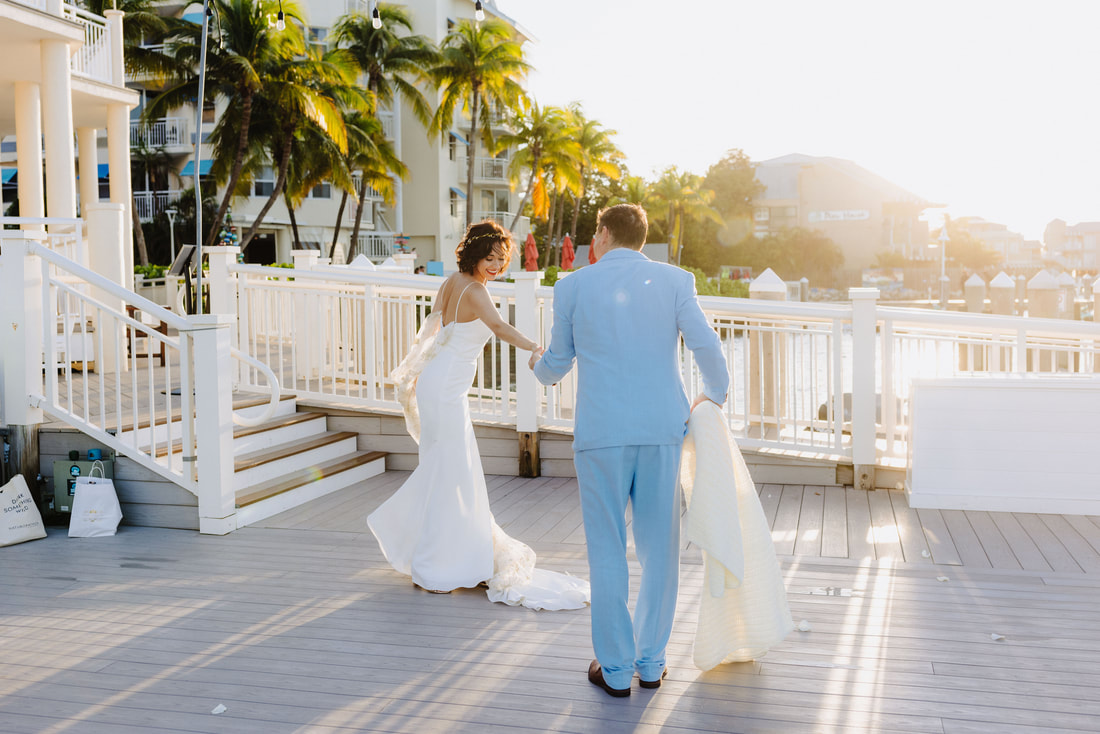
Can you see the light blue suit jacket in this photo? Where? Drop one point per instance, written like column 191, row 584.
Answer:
column 621, row 320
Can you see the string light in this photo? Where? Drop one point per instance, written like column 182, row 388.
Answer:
column 280, row 19
column 479, row 13
column 376, row 19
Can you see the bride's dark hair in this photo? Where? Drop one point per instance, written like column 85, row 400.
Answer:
column 482, row 238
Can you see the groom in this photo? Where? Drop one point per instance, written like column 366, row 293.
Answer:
column 621, row 320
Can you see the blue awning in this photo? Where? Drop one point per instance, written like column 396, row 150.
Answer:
column 459, row 138
column 194, row 16
column 9, row 174
column 102, row 170
column 460, row 192
column 189, row 169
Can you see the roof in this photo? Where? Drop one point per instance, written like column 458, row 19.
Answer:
column 780, row 177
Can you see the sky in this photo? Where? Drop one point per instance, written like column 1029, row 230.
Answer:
column 991, row 108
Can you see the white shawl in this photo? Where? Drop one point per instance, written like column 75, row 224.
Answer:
column 744, row 608
column 431, row 337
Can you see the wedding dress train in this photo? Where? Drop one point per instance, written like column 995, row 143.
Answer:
column 437, row 528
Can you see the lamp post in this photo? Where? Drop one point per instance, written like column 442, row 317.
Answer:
column 943, row 266
column 172, row 230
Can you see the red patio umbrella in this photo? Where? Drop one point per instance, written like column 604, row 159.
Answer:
column 567, row 254
column 530, row 254
column 592, row 251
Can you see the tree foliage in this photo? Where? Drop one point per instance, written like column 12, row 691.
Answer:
column 792, row 254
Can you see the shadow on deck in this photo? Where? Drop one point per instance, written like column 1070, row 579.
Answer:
column 301, row 626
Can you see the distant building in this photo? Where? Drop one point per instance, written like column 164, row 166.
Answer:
column 863, row 213
column 1016, row 252
column 1074, row 247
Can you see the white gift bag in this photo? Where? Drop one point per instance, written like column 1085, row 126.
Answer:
column 20, row 519
column 96, row 512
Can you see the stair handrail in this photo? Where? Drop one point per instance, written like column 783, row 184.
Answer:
column 273, row 386
column 150, row 307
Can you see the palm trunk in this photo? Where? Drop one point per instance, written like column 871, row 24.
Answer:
column 235, row 172
column 550, row 229
column 280, row 182
column 359, row 214
column 471, row 155
column 527, row 193
column 336, row 233
column 560, row 221
column 293, row 222
column 139, row 235
column 678, row 228
column 577, row 205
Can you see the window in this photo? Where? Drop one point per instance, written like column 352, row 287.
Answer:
column 452, row 148
column 208, row 112
column 495, row 200
column 321, row 191
column 454, row 204
column 317, row 38
column 264, row 183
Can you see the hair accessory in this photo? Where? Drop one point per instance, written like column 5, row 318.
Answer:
column 484, row 235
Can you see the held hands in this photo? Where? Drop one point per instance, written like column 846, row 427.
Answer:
column 701, row 398
column 536, row 354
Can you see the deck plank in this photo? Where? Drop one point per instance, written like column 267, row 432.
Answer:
column 1051, row 546
column 914, row 546
column 1024, row 549
column 884, row 528
column 834, row 526
column 861, row 543
column 785, row 529
column 810, row 520
column 996, row 547
column 939, row 539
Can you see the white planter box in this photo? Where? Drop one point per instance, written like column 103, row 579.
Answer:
column 1013, row 444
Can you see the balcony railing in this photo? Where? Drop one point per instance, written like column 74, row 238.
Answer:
column 388, row 121
column 167, row 132
column 151, row 203
column 93, row 59
column 504, row 219
column 485, row 169
column 375, row 245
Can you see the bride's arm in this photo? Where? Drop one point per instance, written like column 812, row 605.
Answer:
column 484, row 309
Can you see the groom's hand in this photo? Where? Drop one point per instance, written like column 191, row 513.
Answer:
column 701, row 398
column 536, row 355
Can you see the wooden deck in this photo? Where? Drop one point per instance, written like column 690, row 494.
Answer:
column 301, row 626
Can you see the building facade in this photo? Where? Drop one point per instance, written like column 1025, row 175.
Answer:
column 429, row 207
column 1016, row 252
column 863, row 213
column 1074, row 247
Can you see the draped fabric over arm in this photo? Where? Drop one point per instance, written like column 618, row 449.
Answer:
column 429, row 340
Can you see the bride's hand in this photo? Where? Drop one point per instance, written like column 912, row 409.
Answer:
column 536, row 354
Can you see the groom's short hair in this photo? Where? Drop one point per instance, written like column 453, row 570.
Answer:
column 626, row 223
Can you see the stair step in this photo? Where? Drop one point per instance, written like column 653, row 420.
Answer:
column 304, row 476
column 242, row 431
column 282, row 451
column 161, row 417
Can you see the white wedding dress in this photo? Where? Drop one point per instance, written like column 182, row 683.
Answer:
column 437, row 528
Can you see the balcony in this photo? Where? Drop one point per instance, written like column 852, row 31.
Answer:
column 375, row 245
column 388, row 120
column 486, row 170
column 151, row 203
column 93, row 59
column 167, row 132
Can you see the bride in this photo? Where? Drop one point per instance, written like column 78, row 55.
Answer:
column 437, row 528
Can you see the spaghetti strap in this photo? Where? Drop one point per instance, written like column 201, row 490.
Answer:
column 459, row 302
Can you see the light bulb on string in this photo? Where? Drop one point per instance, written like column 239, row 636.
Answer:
column 479, row 13
column 376, row 19
column 280, row 19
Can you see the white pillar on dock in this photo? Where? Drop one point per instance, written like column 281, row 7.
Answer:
column 106, row 227
column 57, row 123
column 118, row 162
column 864, row 433
column 1002, row 294
column 88, row 168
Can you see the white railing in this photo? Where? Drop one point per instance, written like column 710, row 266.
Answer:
column 93, row 59
column 388, row 120
column 166, row 132
column 376, row 246
column 39, row 4
column 151, row 203
column 830, row 379
column 485, row 169
column 76, row 354
column 66, row 236
column 504, row 219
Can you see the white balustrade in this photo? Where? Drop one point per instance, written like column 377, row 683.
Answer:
column 376, row 246
column 93, row 58
column 166, row 132
column 151, row 203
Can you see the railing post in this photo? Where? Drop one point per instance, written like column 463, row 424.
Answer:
column 527, row 390
column 21, row 352
column 864, row 432
column 406, row 261
column 306, row 308
column 222, row 286
column 768, row 366
column 21, row 335
column 106, row 241
column 213, row 422
column 114, row 31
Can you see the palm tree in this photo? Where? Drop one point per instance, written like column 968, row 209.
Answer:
column 480, row 66
column 246, row 53
column 684, row 197
column 635, row 190
column 538, row 135
column 392, row 63
column 599, row 155
column 376, row 163
column 304, row 98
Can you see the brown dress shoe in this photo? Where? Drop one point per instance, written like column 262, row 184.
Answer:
column 654, row 683
column 595, row 676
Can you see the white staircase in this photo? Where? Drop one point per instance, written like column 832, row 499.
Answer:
column 287, row 461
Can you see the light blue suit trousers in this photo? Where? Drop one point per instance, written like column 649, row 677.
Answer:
column 621, row 321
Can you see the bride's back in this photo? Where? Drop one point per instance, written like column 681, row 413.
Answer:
column 450, row 303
